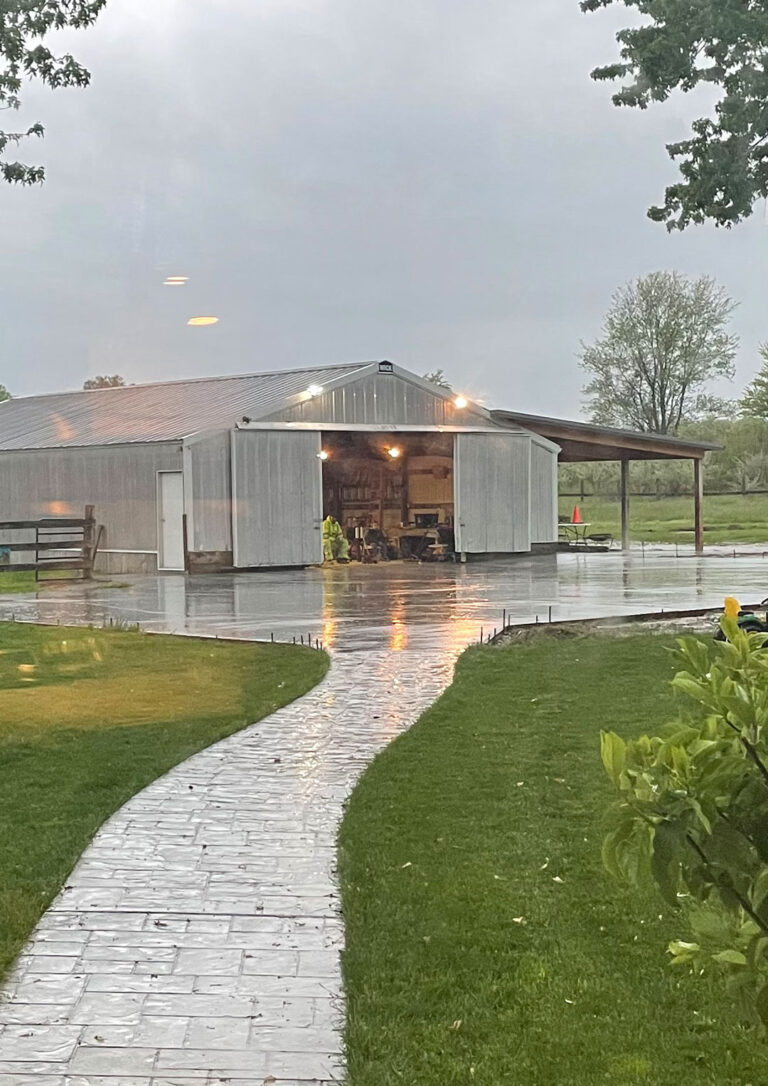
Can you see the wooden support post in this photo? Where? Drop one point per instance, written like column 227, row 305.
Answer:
column 698, row 498
column 89, row 542
column 382, row 488
column 404, row 495
column 625, row 505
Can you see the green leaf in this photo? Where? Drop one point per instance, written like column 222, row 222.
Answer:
column 730, row 957
column 686, row 684
column 665, row 862
column 683, row 953
column 696, row 807
column 679, row 947
column 760, row 889
column 761, row 1004
column 613, row 751
column 711, row 925
column 609, row 850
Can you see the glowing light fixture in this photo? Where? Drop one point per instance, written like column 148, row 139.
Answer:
column 322, row 455
column 394, row 452
column 176, row 281
column 460, row 402
column 315, row 390
column 202, row 322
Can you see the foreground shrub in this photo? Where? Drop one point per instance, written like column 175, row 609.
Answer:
column 693, row 813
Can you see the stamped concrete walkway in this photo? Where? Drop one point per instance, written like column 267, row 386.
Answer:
column 198, row 939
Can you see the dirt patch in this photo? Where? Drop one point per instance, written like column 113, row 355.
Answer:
column 695, row 625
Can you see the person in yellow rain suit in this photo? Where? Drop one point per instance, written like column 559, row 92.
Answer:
column 335, row 544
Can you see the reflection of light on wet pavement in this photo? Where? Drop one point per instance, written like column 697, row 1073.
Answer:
column 461, row 633
column 329, row 633
column 398, row 639
column 404, row 606
column 398, row 631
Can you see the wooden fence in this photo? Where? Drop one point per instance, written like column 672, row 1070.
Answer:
column 57, row 543
column 609, row 495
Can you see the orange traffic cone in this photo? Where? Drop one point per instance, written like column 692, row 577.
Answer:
column 576, row 517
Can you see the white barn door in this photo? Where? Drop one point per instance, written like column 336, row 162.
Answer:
column 277, row 498
column 170, row 486
column 492, row 482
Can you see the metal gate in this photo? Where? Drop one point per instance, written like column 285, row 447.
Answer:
column 277, row 498
column 492, row 482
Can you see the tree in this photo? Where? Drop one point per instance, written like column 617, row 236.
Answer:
column 437, row 377
column 664, row 339
column 4, row 393
column 755, row 399
column 23, row 23
column 115, row 381
column 692, row 814
column 681, row 46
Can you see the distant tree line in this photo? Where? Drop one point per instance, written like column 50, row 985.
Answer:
column 113, row 381
column 741, row 466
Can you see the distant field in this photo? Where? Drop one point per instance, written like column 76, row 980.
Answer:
column 728, row 519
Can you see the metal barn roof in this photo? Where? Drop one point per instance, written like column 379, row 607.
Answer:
column 166, row 411
column 586, row 441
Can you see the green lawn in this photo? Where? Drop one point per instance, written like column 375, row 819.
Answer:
column 13, row 583
column 728, row 519
column 485, row 944
column 89, row 717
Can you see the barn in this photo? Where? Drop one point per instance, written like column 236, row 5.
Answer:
column 239, row 472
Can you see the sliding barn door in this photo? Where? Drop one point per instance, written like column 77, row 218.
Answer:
column 277, row 498
column 492, row 478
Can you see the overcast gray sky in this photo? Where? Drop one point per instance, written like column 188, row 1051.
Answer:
column 436, row 182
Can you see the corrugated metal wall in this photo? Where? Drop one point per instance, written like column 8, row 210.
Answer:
column 120, row 481
column 277, row 498
column 543, row 494
column 208, row 491
column 380, row 399
column 493, row 478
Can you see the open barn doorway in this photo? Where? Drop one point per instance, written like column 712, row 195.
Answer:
column 392, row 494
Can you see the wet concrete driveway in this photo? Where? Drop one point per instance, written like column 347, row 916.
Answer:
column 406, row 606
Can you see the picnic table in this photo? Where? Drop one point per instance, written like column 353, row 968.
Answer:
column 574, row 533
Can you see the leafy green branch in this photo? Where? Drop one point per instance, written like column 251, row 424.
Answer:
column 692, row 812
column 681, row 46
column 23, row 25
